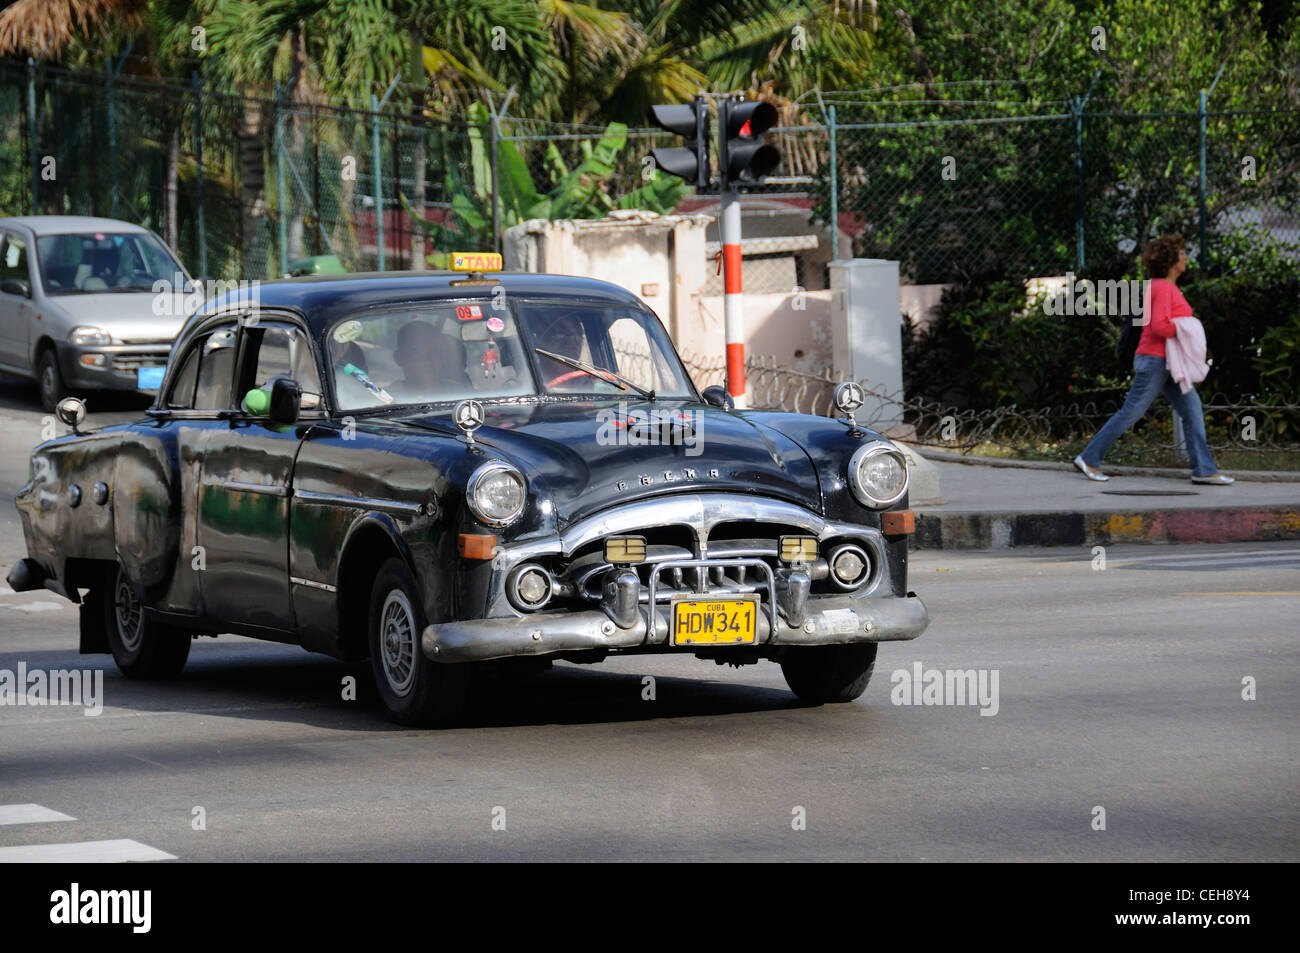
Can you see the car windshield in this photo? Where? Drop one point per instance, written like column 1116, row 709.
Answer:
column 102, row 262
column 448, row 351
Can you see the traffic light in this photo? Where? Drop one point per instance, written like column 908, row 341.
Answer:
column 691, row 161
column 745, row 158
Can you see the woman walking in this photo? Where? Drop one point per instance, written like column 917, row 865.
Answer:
column 1165, row 260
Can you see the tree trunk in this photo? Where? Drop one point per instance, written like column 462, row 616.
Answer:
column 252, row 192
column 417, row 153
column 171, row 175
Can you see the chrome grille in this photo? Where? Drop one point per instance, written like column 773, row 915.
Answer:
column 127, row 363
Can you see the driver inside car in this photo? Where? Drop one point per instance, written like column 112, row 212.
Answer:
column 432, row 363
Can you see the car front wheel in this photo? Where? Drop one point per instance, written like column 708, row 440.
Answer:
column 141, row 647
column 829, row 673
column 49, row 380
column 415, row 690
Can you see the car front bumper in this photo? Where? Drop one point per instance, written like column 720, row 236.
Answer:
column 110, row 367
column 828, row 620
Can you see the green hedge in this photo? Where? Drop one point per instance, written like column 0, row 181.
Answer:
column 986, row 349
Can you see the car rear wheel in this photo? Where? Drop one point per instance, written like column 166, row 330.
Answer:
column 49, row 380
column 829, row 673
column 414, row 690
column 141, row 647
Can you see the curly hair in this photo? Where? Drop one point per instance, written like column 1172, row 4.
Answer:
column 1162, row 254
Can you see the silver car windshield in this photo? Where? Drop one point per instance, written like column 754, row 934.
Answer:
column 104, row 262
column 447, row 351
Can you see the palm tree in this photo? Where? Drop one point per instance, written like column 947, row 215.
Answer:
column 157, row 30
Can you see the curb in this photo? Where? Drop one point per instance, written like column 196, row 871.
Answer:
column 1246, row 476
column 1241, row 524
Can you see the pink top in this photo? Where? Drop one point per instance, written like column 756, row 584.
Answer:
column 1167, row 303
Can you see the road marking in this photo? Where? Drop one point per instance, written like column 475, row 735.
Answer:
column 83, row 852
column 1193, row 557
column 29, row 814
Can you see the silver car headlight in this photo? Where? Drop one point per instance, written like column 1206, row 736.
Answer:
column 877, row 474
column 496, row 493
column 85, row 336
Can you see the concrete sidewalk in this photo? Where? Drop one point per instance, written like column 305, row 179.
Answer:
column 999, row 506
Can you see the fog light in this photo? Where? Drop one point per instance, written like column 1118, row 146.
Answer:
column 92, row 360
column 798, row 549
column 625, row 550
column 849, row 566
column 532, row 587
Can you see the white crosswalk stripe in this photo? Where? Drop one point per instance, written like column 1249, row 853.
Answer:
column 29, row 814
column 83, row 852
column 80, row 852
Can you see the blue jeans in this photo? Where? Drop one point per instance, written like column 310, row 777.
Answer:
column 1150, row 379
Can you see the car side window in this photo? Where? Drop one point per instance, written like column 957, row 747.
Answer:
column 13, row 259
column 216, row 371
column 277, row 351
column 181, row 396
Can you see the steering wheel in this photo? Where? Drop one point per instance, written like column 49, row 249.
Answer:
column 556, row 381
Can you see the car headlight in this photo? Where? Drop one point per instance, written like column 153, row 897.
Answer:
column 877, row 474
column 86, row 336
column 496, row 493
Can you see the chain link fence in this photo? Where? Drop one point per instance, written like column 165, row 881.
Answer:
column 247, row 187
column 262, row 183
column 1242, row 434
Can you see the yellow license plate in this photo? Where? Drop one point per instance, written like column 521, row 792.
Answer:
column 715, row 622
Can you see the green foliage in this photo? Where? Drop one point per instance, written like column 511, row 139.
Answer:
column 579, row 192
column 991, row 346
column 987, row 348
column 1249, row 305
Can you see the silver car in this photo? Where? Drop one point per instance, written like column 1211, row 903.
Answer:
column 80, row 307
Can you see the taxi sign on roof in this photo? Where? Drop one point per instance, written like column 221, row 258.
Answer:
column 476, row 261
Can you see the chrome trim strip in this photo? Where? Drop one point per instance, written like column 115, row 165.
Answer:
column 268, row 489
column 358, row 502
column 311, row 584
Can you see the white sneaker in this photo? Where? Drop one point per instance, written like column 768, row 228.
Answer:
column 1092, row 473
column 1215, row 479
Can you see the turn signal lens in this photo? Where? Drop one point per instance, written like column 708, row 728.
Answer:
column 625, row 550
column 475, row 546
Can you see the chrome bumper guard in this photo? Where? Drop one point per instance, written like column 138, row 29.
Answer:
column 827, row 620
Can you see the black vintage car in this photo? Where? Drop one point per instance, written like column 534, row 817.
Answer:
column 446, row 473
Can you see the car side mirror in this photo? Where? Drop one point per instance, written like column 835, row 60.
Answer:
column 16, row 286
column 718, row 397
column 286, row 398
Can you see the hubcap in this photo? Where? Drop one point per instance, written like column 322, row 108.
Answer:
column 47, row 383
column 397, row 642
column 130, row 620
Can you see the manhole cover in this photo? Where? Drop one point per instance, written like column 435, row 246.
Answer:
column 1152, row 492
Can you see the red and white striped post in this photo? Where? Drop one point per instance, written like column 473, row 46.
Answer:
column 733, row 300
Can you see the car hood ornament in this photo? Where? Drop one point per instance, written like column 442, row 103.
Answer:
column 468, row 415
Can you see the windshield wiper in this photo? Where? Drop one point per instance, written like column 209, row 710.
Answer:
column 609, row 377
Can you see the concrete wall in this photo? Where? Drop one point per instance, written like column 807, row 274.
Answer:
column 794, row 329
column 659, row 258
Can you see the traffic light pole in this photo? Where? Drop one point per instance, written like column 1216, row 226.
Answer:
column 734, row 300
column 743, row 160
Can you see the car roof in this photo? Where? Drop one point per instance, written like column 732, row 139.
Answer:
column 64, row 224
column 323, row 299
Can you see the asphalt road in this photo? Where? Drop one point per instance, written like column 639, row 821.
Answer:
column 1118, row 689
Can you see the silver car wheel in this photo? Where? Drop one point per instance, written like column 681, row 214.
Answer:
column 397, row 642
column 49, row 388
column 130, row 616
